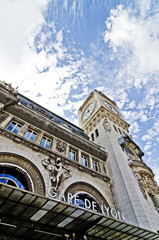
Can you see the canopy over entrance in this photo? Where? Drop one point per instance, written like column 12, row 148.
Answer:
column 25, row 215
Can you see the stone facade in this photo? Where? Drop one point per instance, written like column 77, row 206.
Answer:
column 47, row 155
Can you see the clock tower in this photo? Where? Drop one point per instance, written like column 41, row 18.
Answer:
column 136, row 192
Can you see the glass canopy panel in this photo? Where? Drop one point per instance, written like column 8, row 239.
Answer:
column 154, row 237
column 5, row 191
column 111, row 232
column 38, row 215
column 138, row 232
column 39, row 202
column 115, row 224
column 68, row 211
column 133, row 230
column 49, row 205
column 85, row 216
column 123, row 236
column 46, row 219
column 75, row 225
column 59, row 218
column 7, row 206
column 65, row 222
column 19, row 209
column 100, row 232
column 113, row 236
column 28, row 212
column 108, row 222
column 16, row 195
column 77, row 213
column 28, row 199
column 59, row 208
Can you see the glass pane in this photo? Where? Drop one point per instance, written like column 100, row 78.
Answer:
column 11, row 126
column 16, row 129
column 48, row 143
column 43, row 142
column 33, row 136
column 27, row 134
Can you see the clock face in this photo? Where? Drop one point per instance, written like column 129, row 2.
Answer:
column 88, row 111
column 111, row 107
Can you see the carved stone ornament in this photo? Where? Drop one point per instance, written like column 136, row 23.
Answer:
column 138, row 178
column 147, row 182
column 3, row 116
column 61, row 146
column 9, row 87
column 57, row 171
column 106, row 125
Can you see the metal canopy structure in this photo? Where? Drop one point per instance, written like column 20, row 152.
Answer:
column 25, row 215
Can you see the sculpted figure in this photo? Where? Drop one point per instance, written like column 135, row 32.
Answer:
column 57, row 171
column 106, row 125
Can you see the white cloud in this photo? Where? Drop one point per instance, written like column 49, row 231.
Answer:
column 137, row 35
column 134, row 128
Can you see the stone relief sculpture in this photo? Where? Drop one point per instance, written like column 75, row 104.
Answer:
column 138, row 178
column 3, row 116
column 146, row 183
column 57, row 171
column 106, row 125
column 61, row 146
column 9, row 87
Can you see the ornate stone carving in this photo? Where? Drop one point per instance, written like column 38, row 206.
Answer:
column 9, row 87
column 138, row 178
column 149, row 183
column 146, row 183
column 106, row 125
column 61, row 146
column 3, row 116
column 57, row 171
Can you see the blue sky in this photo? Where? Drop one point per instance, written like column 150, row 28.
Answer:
column 58, row 51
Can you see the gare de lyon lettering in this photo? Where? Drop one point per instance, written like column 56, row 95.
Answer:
column 89, row 204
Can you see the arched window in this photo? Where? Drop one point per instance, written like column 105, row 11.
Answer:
column 14, row 176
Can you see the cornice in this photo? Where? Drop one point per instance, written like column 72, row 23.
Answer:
column 137, row 163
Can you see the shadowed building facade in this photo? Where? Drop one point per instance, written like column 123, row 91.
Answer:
column 59, row 181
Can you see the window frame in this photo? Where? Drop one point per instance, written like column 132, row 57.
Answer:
column 72, row 151
column 32, row 131
column 95, row 165
column 84, row 159
column 15, row 126
column 47, row 139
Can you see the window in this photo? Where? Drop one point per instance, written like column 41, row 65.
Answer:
column 14, row 127
column 115, row 128
column 120, row 131
column 95, row 166
column 84, row 160
column 31, row 135
column 45, row 142
column 92, row 136
column 97, row 133
column 72, row 154
column 14, row 176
